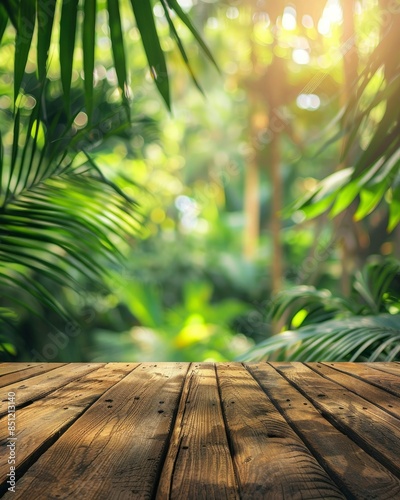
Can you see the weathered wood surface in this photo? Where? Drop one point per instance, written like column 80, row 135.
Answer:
column 202, row 430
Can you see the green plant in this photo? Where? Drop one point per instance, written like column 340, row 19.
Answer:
column 60, row 217
column 364, row 326
column 196, row 330
column 63, row 221
column 80, row 16
column 369, row 174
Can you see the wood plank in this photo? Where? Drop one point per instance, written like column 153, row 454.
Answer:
column 29, row 371
column 40, row 424
column 270, row 460
column 41, row 385
column 378, row 397
column 386, row 367
column 383, row 380
column 6, row 368
column 116, row 448
column 357, row 473
column 198, row 462
column 372, row 428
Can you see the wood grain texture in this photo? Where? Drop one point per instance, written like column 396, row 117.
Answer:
column 369, row 392
column 372, row 428
column 14, row 367
column 198, row 463
column 270, row 459
column 41, row 385
column 25, row 373
column 211, row 431
column 40, row 424
column 357, row 473
column 386, row 367
column 115, row 449
column 383, row 380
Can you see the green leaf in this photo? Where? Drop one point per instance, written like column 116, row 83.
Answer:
column 369, row 199
column 117, row 45
column 88, row 45
column 26, row 26
column 3, row 21
column 155, row 56
column 380, row 141
column 146, row 305
column 14, row 153
column 1, row 165
column 394, row 209
column 63, row 221
column 45, row 16
column 11, row 6
column 67, row 46
column 350, row 339
column 174, row 5
column 178, row 41
column 321, row 198
column 318, row 207
column 345, row 197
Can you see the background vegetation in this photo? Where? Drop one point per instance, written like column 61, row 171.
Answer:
column 163, row 198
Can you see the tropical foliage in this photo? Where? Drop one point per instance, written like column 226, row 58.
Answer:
column 63, row 221
column 374, row 175
column 321, row 326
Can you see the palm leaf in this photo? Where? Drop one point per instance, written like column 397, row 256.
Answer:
column 117, row 45
column 174, row 5
column 373, row 283
column 25, row 29
column 316, row 305
column 359, row 338
column 3, row 21
column 376, row 168
column 60, row 218
column 88, row 45
column 67, row 46
column 178, row 41
column 155, row 56
column 45, row 15
column 22, row 14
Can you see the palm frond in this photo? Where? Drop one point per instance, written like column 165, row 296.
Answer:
column 305, row 304
column 372, row 176
column 359, row 338
column 59, row 215
column 335, row 328
column 372, row 286
column 27, row 15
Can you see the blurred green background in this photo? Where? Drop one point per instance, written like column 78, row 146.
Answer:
column 232, row 241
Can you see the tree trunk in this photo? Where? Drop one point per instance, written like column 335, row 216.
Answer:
column 251, row 208
column 274, row 166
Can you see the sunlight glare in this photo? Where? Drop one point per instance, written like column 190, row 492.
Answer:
column 324, row 26
column 212, row 22
column 186, row 4
column 300, row 56
column 81, row 119
column 289, row 19
column 232, row 13
column 308, row 101
column 307, row 21
column 5, row 102
column 333, row 11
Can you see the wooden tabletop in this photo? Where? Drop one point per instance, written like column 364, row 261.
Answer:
column 201, row 430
